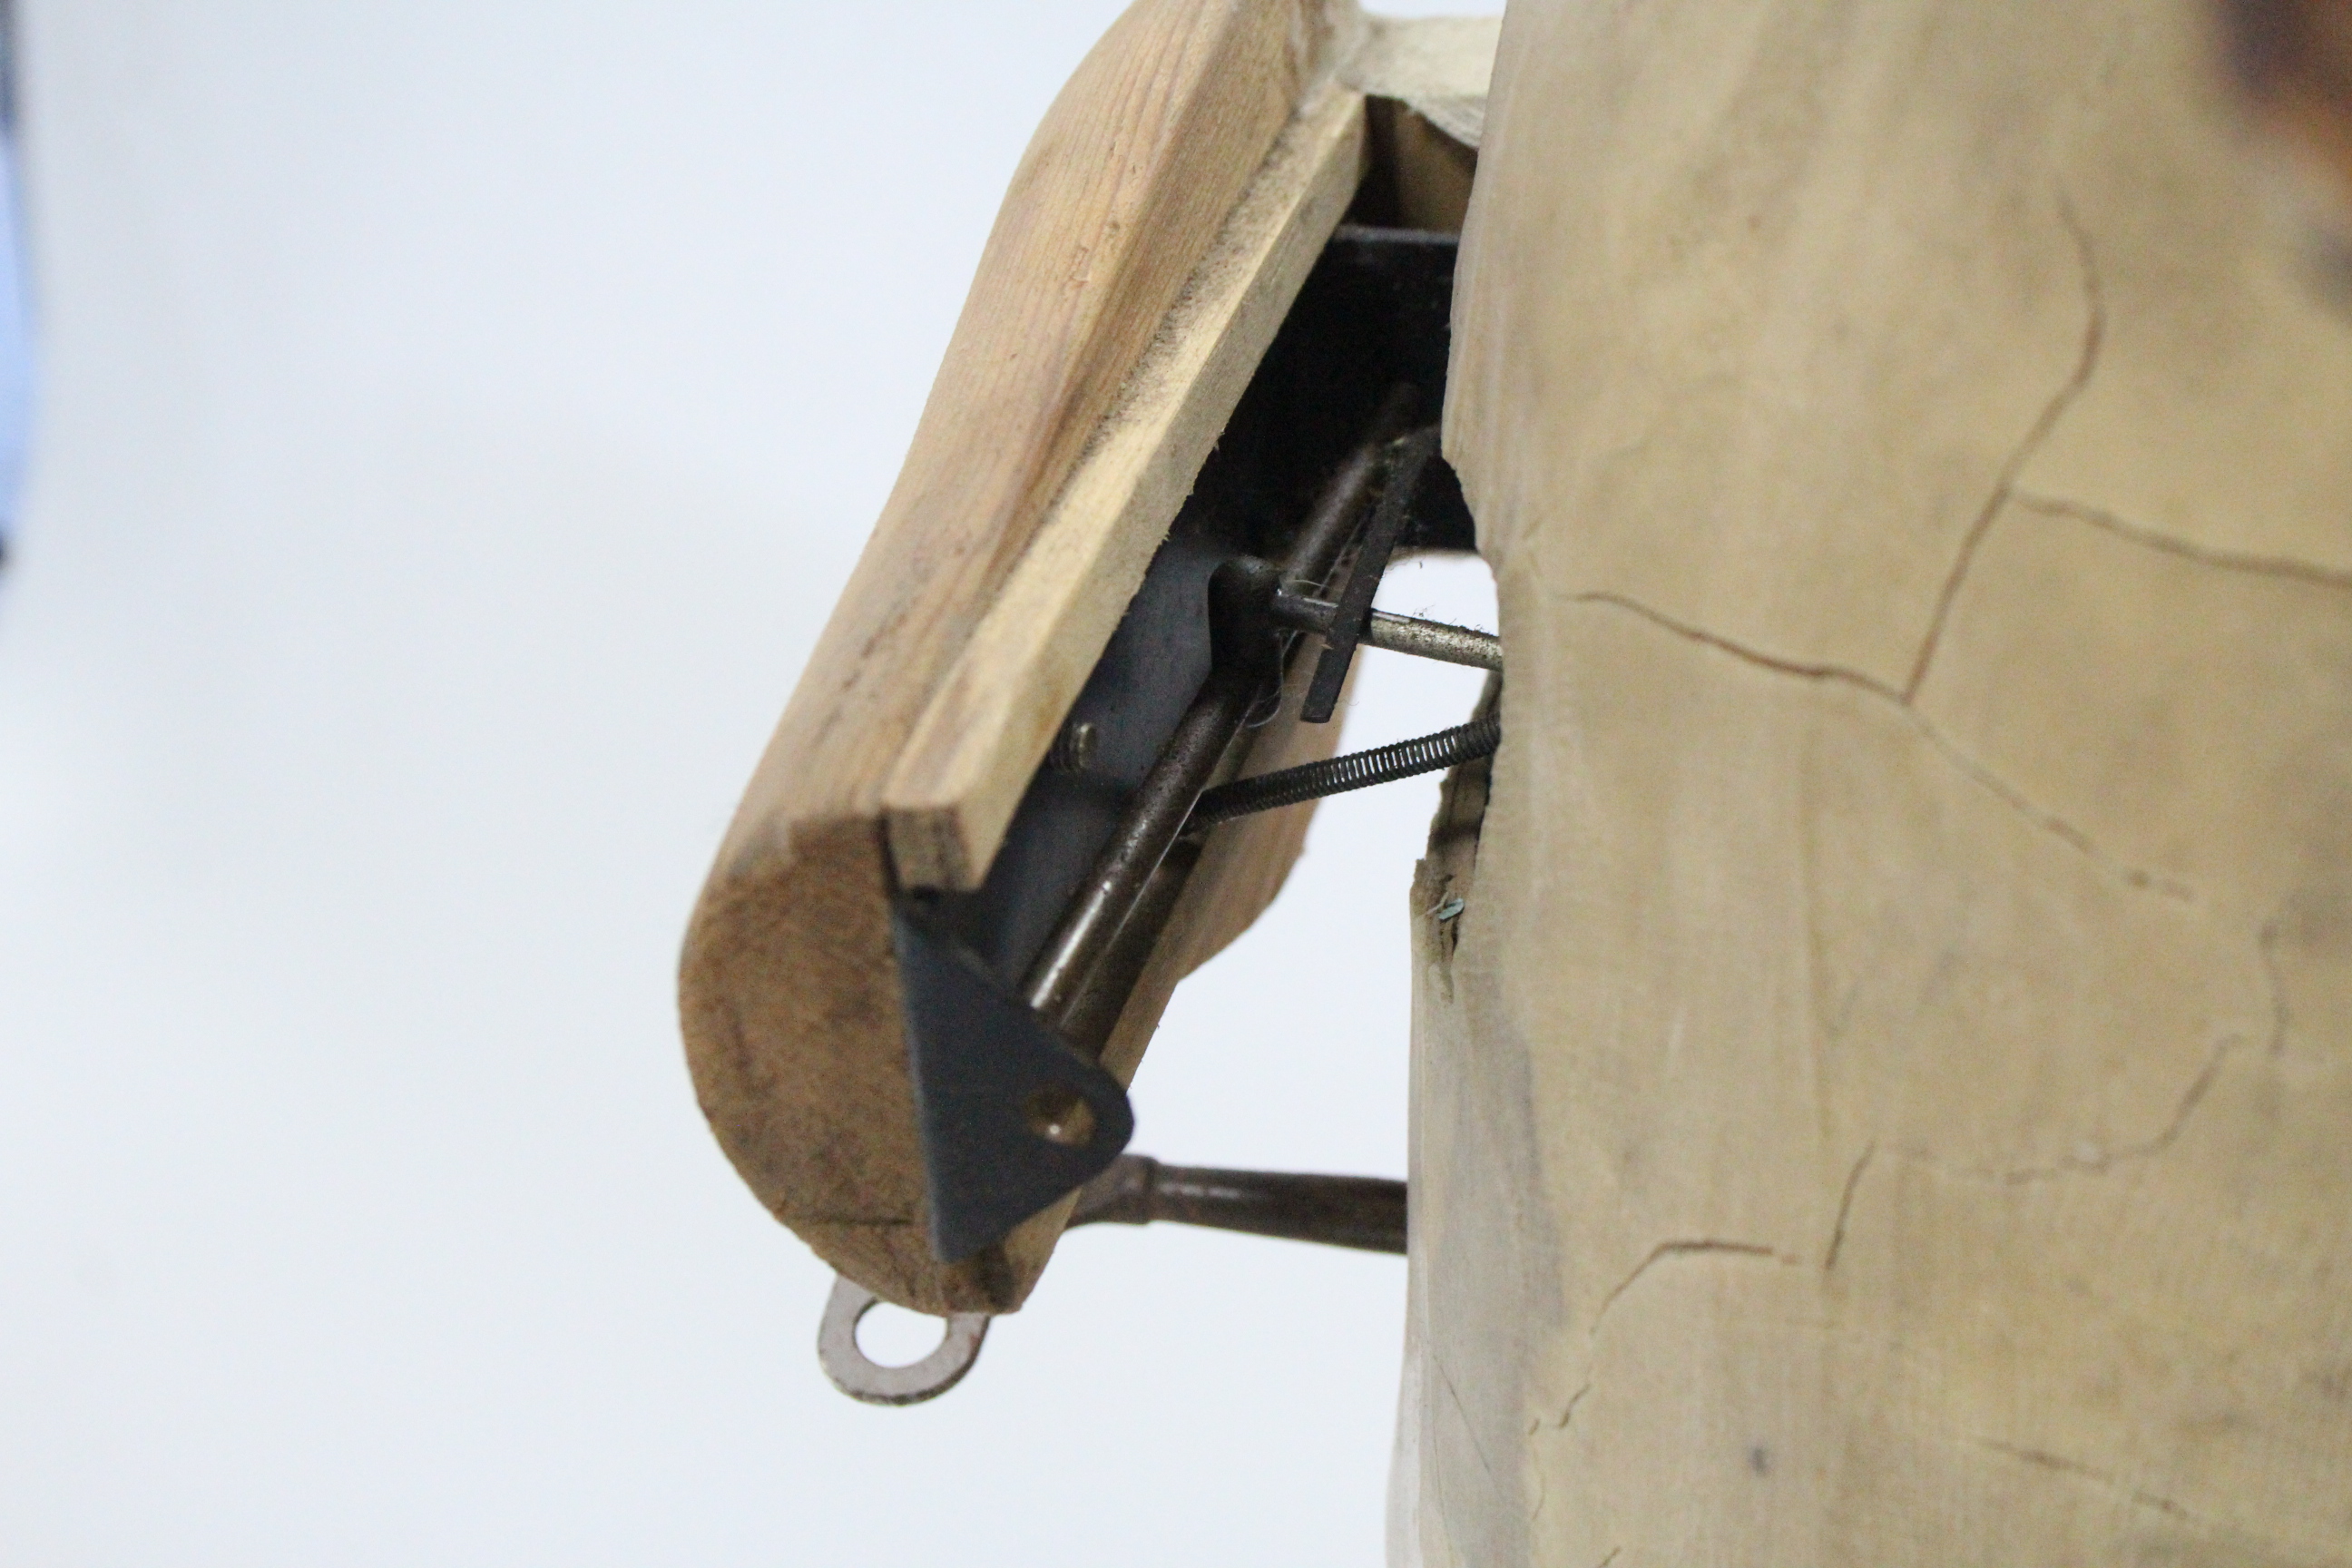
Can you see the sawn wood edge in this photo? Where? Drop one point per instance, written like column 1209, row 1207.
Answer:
column 954, row 791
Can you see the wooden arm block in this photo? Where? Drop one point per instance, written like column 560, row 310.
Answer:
column 1167, row 209
column 953, row 792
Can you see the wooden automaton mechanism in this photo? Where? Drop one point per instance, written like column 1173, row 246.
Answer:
column 1884, row 1095
column 1056, row 744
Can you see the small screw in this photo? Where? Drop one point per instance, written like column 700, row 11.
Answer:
column 1073, row 750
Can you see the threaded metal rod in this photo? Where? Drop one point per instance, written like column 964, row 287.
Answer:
column 1356, row 770
column 1398, row 633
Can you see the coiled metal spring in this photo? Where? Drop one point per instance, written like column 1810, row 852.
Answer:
column 1356, row 770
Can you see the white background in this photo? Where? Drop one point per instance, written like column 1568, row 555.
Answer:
column 455, row 421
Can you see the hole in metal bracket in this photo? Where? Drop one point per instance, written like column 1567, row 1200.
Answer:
column 1060, row 1115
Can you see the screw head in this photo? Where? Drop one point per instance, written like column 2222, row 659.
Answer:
column 1073, row 750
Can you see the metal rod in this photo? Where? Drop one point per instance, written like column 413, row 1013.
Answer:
column 1331, row 521
column 1152, row 820
column 1089, row 1018
column 1398, row 633
column 1058, row 985
column 1367, row 1212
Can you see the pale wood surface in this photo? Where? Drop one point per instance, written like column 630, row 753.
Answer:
column 1891, row 1100
column 788, row 993
column 953, row 791
column 1438, row 66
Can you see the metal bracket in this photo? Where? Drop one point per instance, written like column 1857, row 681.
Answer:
column 1012, row 1118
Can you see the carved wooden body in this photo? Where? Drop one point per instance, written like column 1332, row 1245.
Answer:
column 1883, row 1094
column 1887, row 1098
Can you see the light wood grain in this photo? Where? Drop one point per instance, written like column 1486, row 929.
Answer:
column 788, row 989
column 1437, row 67
column 1427, row 79
column 1885, row 1101
column 954, row 790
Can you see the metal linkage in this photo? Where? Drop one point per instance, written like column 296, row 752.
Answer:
column 1396, row 634
column 1014, row 1108
column 1412, row 457
column 1356, row 770
column 1013, row 1105
column 1365, row 1213
column 1331, row 521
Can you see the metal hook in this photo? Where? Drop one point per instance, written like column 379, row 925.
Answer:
column 860, row 1376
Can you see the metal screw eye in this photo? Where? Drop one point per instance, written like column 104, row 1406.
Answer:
column 860, row 1376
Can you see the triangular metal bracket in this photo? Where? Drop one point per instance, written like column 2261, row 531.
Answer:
column 1012, row 1118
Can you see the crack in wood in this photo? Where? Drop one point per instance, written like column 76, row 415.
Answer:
column 1846, row 1208
column 1699, row 1247
column 2062, row 1466
column 1468, row 1425
column 2094, row 333
column 2280, row 567
column 1566, row 1416
column 2099, row 1165
column 2049, row 822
